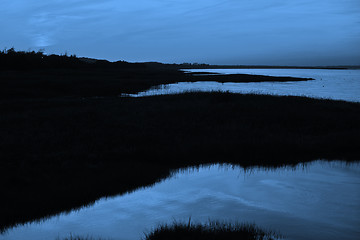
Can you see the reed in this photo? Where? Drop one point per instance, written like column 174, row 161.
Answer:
column 213, row 230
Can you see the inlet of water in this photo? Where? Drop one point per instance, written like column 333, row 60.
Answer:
column 332, row 84
column 319, row 200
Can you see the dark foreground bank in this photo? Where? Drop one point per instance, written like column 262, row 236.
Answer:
column 61, row 153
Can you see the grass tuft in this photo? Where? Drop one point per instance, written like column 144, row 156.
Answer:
column 212, row 230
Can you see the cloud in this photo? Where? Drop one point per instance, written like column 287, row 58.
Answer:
column 42, row 40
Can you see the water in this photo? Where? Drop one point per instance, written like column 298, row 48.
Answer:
column 320, row 200
column 333, row 84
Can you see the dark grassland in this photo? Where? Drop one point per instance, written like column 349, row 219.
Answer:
column 61, row 148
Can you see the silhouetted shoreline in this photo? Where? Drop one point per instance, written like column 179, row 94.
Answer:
column 61, row 148
column 35, row 75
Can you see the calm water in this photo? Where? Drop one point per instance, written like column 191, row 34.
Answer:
column 320, row 200
column 333, row 84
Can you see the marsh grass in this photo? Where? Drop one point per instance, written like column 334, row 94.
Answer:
column 213, row 230
column 59, row 154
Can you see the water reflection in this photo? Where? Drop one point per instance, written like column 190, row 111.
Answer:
column 332, row 84
column 319, row 200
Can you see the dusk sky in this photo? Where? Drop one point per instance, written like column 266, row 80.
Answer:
column 277, row 32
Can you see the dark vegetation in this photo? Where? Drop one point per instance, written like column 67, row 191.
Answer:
column 62, row 153
column 61, row 148
column 20, row 60
column 214, row 230
column 36, row 75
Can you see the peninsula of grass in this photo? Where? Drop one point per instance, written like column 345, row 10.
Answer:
column 36, row 75
column 61, row 148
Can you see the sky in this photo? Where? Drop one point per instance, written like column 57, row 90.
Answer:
column 248, row 32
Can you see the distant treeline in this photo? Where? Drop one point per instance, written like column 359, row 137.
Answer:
column 207, row 66
column 22, row 60
column 11, row 59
